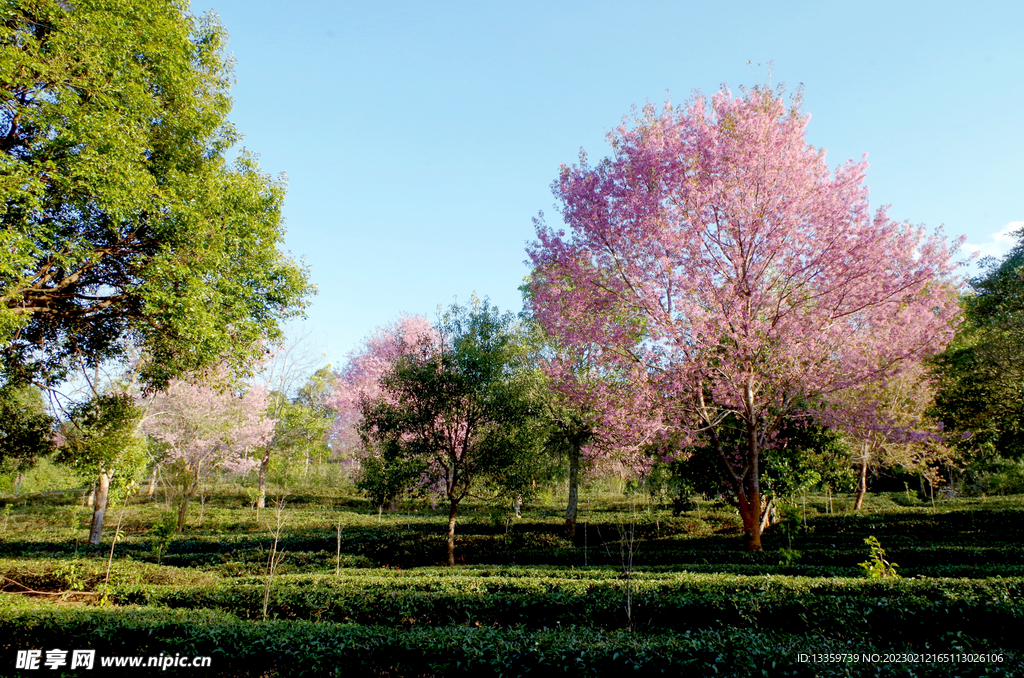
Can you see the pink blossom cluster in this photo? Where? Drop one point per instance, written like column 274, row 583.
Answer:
column 359, row 379
column 205, row 428
column 755, row 276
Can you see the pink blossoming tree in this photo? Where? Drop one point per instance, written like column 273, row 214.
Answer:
column 359, row 379
column 888, row 423
column 602, row 412
column 203, row 429
column 760, row 279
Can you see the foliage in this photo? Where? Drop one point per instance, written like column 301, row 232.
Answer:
column 751, row 267
column 693, row 605
column 302, row 425
column 26, row 428
column 359, row 379
column 599, row 414
column 872, row 610
column 384, row 479
column 102, row 435
column 890, row 425
column 808, row 456
column 300, row 410
column 358, row 382
column 295, row 647
column 445, row 622
column 876, row 566
column 163, row 534
column 980, row 375
column 464, row 407
column 123, row 224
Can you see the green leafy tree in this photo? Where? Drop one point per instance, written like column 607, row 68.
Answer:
column 463, row 407
column 124, row 225
column 303, row 424
column 26, row 428
column 101, row 437
column 302, row 415
column 980, row 377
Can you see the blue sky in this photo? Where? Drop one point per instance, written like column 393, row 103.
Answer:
column 420, row 139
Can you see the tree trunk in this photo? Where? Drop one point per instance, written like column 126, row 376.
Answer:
column 261, row 501
column 768, row 514
column 862, row 484
column 574, row 482
column 182, row 512
column 452, row 511
column 99, row 507
column 745, row 486
column 750, row 512
column 188, row 490
column 151, row 490
column 749, row 494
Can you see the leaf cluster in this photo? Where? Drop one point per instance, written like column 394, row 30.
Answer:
column 123, row 224
column 26, row 428
column 462, row 410
column 103, row 432
column 980, row 377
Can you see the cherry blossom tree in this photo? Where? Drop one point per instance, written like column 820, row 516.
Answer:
column 760, row 279
column 601, row 412
column 205, row 428
column 889, row 424
column 359, row 379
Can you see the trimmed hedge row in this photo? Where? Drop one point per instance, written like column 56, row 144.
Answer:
column 906, row 611
column 285, row 649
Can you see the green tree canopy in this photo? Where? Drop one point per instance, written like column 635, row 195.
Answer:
column 460, row 410
column 26, row 428
column 102, row 434
column 981, row 375
column 124, row 225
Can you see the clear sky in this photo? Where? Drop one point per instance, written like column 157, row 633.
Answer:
column 421, row 138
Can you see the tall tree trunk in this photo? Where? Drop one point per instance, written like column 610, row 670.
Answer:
column 746, row 488
column 99, row 507
column 452, row 511
column 750, row 493
column 261, row 501
column 862, row 483
column 574, row 483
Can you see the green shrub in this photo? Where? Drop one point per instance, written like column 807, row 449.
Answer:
column 298, row 648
